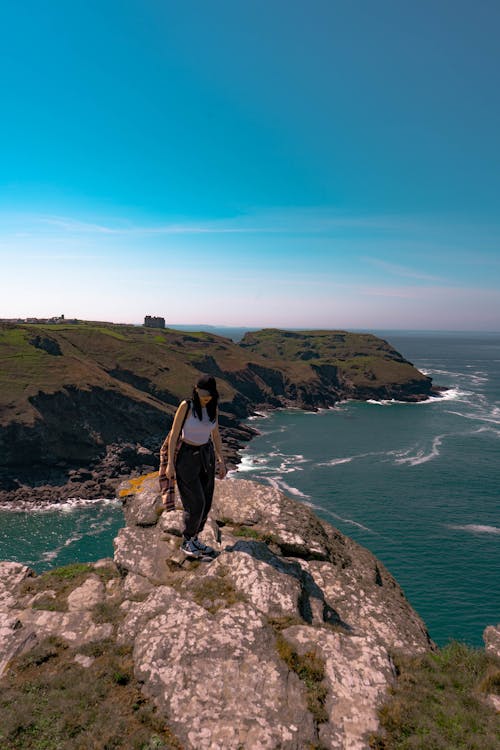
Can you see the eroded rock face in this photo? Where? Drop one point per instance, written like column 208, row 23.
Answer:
column 224, row 648
column 208, row 637
column 13, row 638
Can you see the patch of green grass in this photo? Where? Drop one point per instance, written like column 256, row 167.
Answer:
column 49, row 702
column 215, row 592
column 11, row 336
column 439, row 703
column 310, row 669
column 67, row 572
column 249, row 532
column 62, row 581
column 59, row 580
column 113, row 333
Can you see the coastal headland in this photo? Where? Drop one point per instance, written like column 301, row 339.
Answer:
column 84, row 405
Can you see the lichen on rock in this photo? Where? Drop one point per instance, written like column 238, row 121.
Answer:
column 208, row 637
column 283, row 641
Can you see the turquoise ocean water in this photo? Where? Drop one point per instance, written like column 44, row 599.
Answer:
column 418, row 484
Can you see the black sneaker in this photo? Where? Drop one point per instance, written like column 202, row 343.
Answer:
column 190, row 549
column 203, row 548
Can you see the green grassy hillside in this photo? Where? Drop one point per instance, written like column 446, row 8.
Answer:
column 160, row 366
column 69, row 391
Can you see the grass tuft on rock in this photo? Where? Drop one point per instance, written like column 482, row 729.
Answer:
column 215, row 592
column 310, row 669
column 249, row 532
column 66, row 572
column 440, row 702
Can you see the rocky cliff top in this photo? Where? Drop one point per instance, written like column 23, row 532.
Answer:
column 283, row 641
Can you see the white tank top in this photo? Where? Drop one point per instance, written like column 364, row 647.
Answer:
column 196, row 431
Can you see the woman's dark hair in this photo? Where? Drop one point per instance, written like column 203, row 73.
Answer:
column 206, row 383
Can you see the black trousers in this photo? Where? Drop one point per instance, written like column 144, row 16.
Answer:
column 195, row 475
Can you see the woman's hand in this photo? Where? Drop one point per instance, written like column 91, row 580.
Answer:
column 221, row 468
column 170, row 472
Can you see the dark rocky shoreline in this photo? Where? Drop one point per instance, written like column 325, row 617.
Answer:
column 49, row 485
column 37, row 485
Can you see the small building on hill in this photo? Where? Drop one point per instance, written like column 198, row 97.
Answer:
column 154, row 322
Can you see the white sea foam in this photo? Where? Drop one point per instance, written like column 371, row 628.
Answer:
column 445, row 373
column 65, row 506
column 421, row 456
column 491, row 417
column 490, row 430
column 292, row 490
column 452, row 394
column 338, row 461
column 475, row 528
column 478, row 377
column 265, row 463
column 348, row 459
column 282, row 486
column 53, row 553
column 259, row 415
column 348, row 520
column 82, row 530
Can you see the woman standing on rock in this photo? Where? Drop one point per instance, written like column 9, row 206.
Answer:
column 195, row 430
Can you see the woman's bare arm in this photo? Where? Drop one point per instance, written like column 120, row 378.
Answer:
column 216, row 438
column 174, row 436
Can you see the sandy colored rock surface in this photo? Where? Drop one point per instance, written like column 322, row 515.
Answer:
column 206, row 635
column 216, row 644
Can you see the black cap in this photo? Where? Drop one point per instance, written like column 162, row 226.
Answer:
column 207, row 383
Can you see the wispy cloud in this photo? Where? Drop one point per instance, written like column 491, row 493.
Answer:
column 286, row 220
column 404, row 271
column 72, row 225
column 68, row 256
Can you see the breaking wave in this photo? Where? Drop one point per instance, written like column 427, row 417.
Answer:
column 64, row 506
column 452, row 394
column 421, row 456
column 279, row 484
column 475, row 528
column 94, row 529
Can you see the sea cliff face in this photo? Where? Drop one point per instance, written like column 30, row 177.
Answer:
column 284, row 640
column 83, row 405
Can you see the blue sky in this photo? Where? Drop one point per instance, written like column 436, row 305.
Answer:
column 321, row 164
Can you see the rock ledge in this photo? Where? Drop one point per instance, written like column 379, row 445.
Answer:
column 283, row 641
